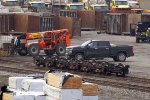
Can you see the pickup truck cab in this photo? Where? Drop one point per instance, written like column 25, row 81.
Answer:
column 100, row 49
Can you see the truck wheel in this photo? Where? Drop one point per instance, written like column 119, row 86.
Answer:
column 34, row 50
column 137, row 40
column 61, row 50
column 49, row 52
column 22, row 52
column 79, row 56
column 121, row 57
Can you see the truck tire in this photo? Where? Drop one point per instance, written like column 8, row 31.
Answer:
column 34, row 50
column 61, row 49
column 49, row 52
column 23, row 52
column 121, row 57
column 79, row 56
column 137, row 40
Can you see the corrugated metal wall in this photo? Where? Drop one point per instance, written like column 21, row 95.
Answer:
column 120, row 23
column 6, row 23
column 114, row 23
column 69, row 13
column 87, row 19
column 101, row 20
column 49, row 23
column 26, row 23
column 73, row 24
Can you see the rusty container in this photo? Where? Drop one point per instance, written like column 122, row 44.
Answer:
column 6, row 23
column 73, row 24
column 114, row 23
column 87, row 19
column 26, row 23
column 101, row 20
column 119, row 23
column 49, row 23
column 128, row 20
column 69, row 13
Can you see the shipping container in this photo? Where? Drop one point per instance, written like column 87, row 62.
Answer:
column 73, row 24
column 87, row 19
column 26, row 23
column 101, row 20
column 114, row 23
column 69, row 13
column 6, row 23
column 49, row 23
column 128, row 20
column 119, row 23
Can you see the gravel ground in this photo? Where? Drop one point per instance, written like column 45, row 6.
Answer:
column 110, row 93
column 139, row 66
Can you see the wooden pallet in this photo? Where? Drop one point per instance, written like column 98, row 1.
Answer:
column 4, row 53
column 57, row 80
column 90, row 89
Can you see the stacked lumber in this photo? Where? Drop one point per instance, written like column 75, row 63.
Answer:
column 63, row 86
column 54, row 86
column 64, row 80
column 90, row 91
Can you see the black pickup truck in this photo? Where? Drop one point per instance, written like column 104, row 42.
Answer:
column 99, row 49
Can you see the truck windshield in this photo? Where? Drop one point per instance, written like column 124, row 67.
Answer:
column 76, row 7
column 134, row 5
column 86, row 43
column 101, row 8
column 38, row 4
column 11, row 3
column 121, row 2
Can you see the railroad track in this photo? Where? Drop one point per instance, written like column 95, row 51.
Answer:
column 129, row 82
column 14, row 61
column 20, row 70
column 120, row 85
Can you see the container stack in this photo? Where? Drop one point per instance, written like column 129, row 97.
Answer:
column 56, row 86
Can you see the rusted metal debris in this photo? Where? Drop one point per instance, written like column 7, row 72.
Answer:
column 88, row 66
